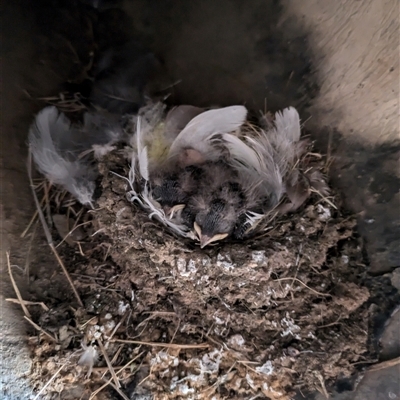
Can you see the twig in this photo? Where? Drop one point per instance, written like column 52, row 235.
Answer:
column 23, row 234
column 72, row 231
column 323, row 387
column 118, row 325
column 120, row 392
column 105, row 369
column 323, row 197
column 17, row 292
column 298, row 280
column 169, row 345
column 144, row 379
column 41, row 329
column 328, row 150
column 47, row 232
column 28, row 255
column 331, row 324
column 97, row 391
column 385, row 364
column 35, row 214
column 29, row 303
column 50, row 380
column 110, row 367
column 47, row 202
column 66, row 274
column 113, row 360
column 80, row 249
column 171, row 85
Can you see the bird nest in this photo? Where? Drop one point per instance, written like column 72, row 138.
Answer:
column 161, row 318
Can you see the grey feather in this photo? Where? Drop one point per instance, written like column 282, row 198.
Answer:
column 143, row 160
column 241, row 152
column 284, row 138
column 58, row 161
column 198, row 132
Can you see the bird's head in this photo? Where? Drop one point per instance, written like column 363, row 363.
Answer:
column 215, row 223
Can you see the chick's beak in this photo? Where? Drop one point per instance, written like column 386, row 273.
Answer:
column 175, row 210
column 205, row 239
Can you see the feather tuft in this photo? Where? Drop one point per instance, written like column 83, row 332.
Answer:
column 198, row 132
column 60, row 166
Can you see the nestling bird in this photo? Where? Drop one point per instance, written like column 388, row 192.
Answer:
column 218, row 177
column 206, row 175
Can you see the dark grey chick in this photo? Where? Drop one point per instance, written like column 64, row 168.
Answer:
column 214, row 208
column 248, row 182
column 221, row 179
column 172, row 189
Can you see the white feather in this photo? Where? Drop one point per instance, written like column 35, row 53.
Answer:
column 62, row 169
column 198, row 132
column 276, row 150
column 284, row 137
column 145, row 199
column 142, row 151
column 241, row 152
column 177, row 119
column 287, row 123
column 253, row 158
column 147, row 202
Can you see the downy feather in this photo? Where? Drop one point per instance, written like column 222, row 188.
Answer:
column 61, row 168
column 253, row 159
column 142, row 151
column 241, row 152
column 284, row 138
column 198, row 132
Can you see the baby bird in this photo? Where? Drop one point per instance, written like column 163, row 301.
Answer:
column 218, row 177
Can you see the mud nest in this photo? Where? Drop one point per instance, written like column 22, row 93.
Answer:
column 162, row 319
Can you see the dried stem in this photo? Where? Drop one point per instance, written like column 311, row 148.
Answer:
column 18, row 293
column 385, row 364
column 323, row 387
column 47, row 232
column 298, row 280
column 97, row 391
column 40, row 329
column 29, row 303
column 50, row 380
column 110, row 367
column 168, row 345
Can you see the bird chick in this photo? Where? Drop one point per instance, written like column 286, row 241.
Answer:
column 216, row 212
column 173, row 190
column 216, row 177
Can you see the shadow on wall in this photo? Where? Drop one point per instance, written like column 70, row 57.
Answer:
column 228, row 51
